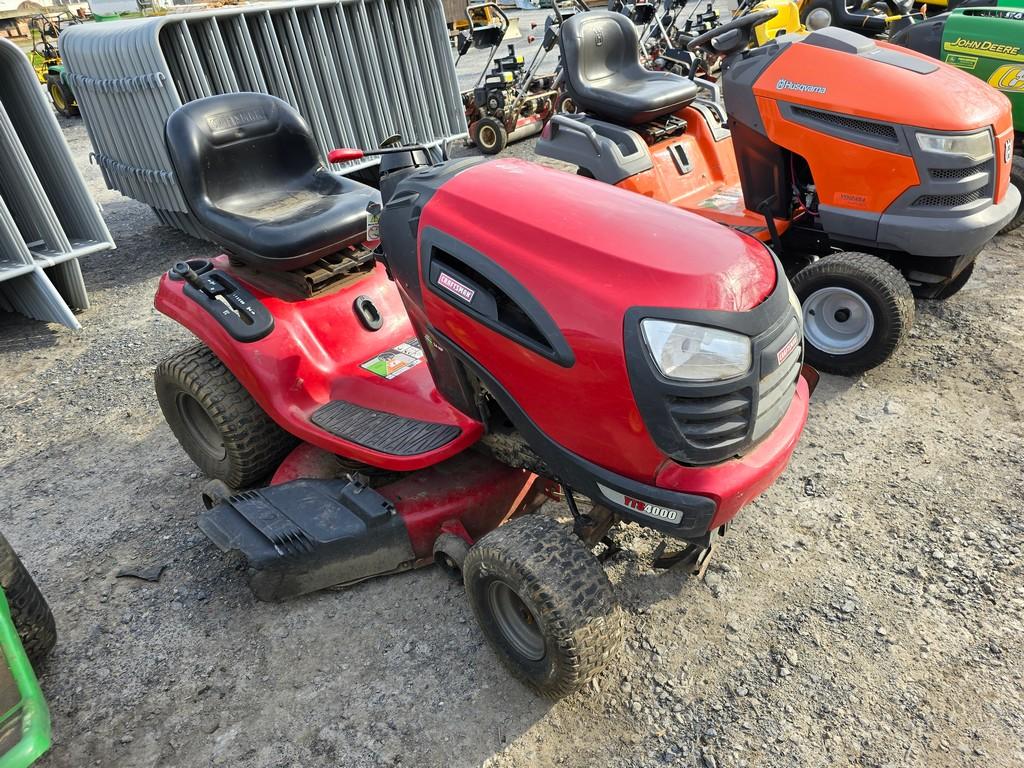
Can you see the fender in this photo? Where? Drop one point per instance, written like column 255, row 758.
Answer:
column 317, row 353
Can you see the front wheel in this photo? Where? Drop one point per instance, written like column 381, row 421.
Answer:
column 30, row 613
column 857, row 310
column 544, row 604
column 490, row 136
column 1017, row 180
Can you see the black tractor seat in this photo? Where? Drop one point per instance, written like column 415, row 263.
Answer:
column 254, row 181
column 604, row 76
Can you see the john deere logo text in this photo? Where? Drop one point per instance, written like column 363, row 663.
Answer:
column 983, row 45
column 226, row 120
column 789, row 85
column 462, row 291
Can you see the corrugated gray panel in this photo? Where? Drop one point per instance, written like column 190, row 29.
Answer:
column 47, row 218
column 358, row 71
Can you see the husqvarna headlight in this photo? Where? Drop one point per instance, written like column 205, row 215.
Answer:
column 976, row 146
column 695, row 353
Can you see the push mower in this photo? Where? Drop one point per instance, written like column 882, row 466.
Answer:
column 875, row 173
column 45, row 57
column 985, row 39
column 509, row 101
column 417, row 383
column 27, row 635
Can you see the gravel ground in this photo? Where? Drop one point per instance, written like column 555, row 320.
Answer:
column 867, row 610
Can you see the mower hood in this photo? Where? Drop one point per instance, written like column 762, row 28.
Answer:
column 851, row 75
column 539, row 283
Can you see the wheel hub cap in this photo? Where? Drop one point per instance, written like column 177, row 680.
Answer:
column 516, row 621
column 837, row 321
column 819, row 18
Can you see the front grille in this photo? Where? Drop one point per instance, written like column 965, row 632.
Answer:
column 947, row 174
column 949, row 201
column 710, row 423
column 728, row 424
column 866, row 127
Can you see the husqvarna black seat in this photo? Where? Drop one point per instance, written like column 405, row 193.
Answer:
column 601, row 57
column 253, row 180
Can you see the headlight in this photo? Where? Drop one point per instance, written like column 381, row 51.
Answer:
column 976, row 146
column 694, row 353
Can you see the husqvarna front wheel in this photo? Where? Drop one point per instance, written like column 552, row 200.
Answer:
column 857, row 310
column 544, row 604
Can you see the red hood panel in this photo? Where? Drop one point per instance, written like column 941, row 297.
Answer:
column 584, row 231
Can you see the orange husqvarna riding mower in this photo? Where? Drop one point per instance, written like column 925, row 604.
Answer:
column 875, row 173
column 417, row 383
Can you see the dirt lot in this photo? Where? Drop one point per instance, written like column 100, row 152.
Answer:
column 868, row 610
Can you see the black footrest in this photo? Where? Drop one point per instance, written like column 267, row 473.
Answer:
column 306, row 535
column 380, row 431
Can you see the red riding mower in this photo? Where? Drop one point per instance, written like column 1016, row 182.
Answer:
column 872, row 171
column 509, row 100
column 409, row 380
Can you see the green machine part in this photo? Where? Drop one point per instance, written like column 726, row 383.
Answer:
column 24, row 718
column 988, row 42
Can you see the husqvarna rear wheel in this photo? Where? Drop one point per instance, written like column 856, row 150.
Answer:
column 857, row 310
column 544, row 603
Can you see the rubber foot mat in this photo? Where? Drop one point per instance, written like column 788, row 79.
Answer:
column 384, row 432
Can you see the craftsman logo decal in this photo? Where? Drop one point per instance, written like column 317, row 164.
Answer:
column 396, row 361
column 1008, row 78
column 1007, row 150
column 643, row 507
column 789, row 85
column 464, row 292
column 788, row 348
column 227, row 120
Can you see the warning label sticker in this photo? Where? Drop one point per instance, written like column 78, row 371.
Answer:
column 727, row 201
column 397, row 360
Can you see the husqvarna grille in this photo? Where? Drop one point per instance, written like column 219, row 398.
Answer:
column 866, row 127
column 959, row 173
column 949, row 201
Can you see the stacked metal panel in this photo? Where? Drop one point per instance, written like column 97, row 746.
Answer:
column 358, row 71
column 47, row 218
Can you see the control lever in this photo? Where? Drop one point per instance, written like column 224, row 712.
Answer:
column 240, row 313
column 189, row 275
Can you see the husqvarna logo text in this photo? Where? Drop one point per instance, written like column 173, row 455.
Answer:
column 789, row 85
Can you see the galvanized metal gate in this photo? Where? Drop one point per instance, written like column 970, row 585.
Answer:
column 47, row 218
column 357, row 70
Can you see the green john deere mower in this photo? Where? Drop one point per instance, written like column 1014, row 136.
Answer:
column 27, row 635
column 985, row 38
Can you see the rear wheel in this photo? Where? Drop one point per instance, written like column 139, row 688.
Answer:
column 490, row 136
column 31, row 614
column 544, row 603
column 61, row 96
column 857, row 310
column 222, row 429
column 1017, row 180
